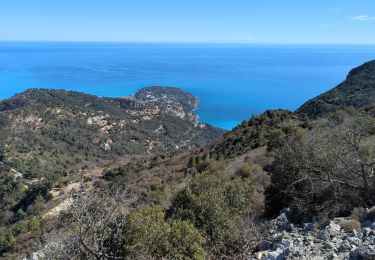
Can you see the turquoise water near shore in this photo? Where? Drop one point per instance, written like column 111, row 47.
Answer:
column 232, row 82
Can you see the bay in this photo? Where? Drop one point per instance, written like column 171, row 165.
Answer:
column 232, row 82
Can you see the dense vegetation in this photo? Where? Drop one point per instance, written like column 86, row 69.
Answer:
column 208, row 217
column 261, row 130
column 69, row 128
column 328, row 170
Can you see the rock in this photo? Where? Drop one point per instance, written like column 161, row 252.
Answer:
column 307, row 227
column 342, row 256
column 345, row 247
column 298, row 241
column 367, row 232
column 282, row 223
column 264, row 245
column 328, row 245
column 333, row 229
column 285, row 244
column 366, row 252
column 354, row 241
column 330, row 242
column 274, row 255
column 323, row 235
column 259, row 255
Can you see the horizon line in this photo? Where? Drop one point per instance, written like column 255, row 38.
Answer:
column 176, row 42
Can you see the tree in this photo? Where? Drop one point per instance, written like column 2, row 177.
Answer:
column 328, row 170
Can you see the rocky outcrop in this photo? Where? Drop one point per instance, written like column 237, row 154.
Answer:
column 309, row 241
column 169, row 100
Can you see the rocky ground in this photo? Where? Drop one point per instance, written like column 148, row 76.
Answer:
column 287, row 241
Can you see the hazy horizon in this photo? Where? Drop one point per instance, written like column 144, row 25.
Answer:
column 168, row 21
column 233, row 82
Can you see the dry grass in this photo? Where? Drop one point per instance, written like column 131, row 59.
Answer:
column 350, row 224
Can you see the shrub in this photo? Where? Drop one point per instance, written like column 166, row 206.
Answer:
column 350, row 224
column 148, row 233
column 34, row 224
column 146, row 230
column 157, row 192
column 248, row 170
column 185, row 241
column 319, row 172
column 275, row 139
column 215, row 202
column 7, row 242
column 99, row 183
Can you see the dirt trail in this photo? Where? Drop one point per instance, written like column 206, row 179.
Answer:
column 16, row 173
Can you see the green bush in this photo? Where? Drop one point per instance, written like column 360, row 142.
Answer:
column 248, row 170
column 215, row 203
column 147, row 232
column 185, row 241
column 275, row 139
column 157, row 192
column 7, row 242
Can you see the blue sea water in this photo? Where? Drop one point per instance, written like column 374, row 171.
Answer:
column 232, row 82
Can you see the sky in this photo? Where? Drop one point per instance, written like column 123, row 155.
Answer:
column 190, row 21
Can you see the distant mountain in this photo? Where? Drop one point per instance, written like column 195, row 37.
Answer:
column 59, row 131
column 358, row 90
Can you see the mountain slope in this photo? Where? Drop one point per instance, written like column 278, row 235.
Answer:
column 56, row 131
column 358, row 90
column 259, row 131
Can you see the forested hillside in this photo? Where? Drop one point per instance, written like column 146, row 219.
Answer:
column 59, row 132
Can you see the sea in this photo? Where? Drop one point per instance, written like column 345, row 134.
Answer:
column 232, row 82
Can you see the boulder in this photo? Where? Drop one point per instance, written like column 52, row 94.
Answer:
column 282, row 223
column 329, row 231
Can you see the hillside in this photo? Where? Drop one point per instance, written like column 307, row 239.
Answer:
column 52, row 139
column 58, row 131
column 358, row 90
column 259, row 131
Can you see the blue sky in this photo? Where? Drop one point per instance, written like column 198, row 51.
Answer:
column 215, row 21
